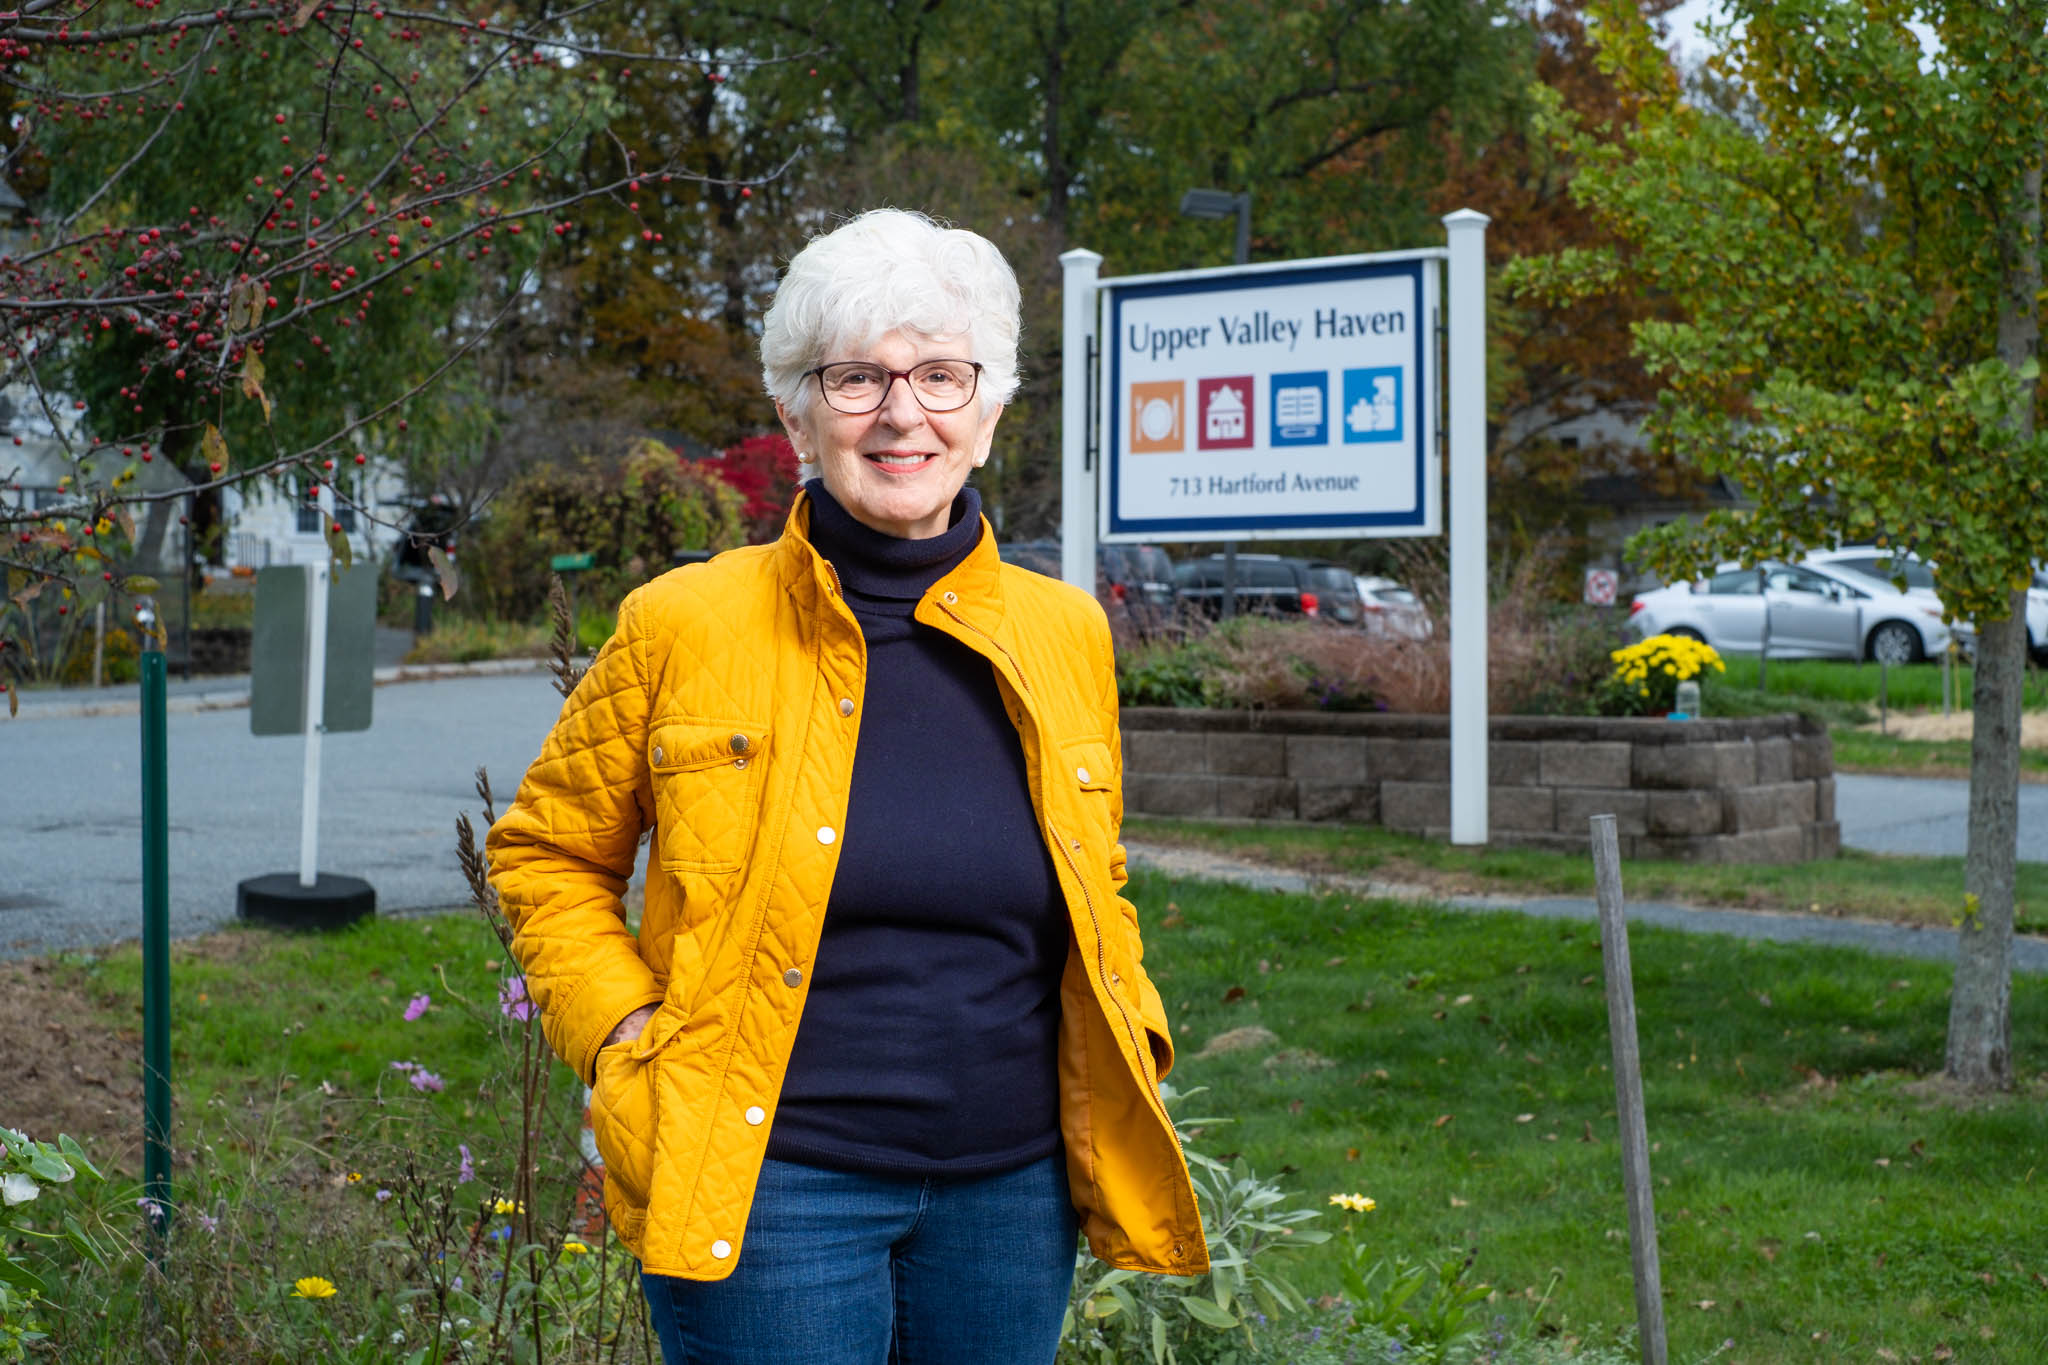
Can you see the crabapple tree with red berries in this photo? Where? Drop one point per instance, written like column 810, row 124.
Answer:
column 273, row 242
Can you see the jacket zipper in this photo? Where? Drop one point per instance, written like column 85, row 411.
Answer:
column 1101, row 953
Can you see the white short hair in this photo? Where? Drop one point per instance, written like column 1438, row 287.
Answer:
column 890, row 270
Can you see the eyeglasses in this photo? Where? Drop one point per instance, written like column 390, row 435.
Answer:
column 855, row 386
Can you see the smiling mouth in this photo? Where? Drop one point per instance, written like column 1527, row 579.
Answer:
column 901, row 461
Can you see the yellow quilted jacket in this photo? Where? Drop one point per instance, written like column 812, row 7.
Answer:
column 721, row 721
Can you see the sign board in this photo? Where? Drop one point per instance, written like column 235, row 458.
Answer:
column 572, row 563
column 1264, row 403
column 277, row 650
column 1601, row 587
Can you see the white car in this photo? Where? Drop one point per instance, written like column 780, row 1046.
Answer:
column 1392, row 609
column 1889, row 566
column 2037, row 617
column 1814, row 612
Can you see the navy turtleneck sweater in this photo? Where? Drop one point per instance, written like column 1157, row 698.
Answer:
column 929, row 1043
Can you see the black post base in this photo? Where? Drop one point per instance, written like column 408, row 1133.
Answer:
column 331, row 902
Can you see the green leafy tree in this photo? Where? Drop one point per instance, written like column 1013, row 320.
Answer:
column 1853, row 240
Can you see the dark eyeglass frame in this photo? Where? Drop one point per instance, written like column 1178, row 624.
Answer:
column 889, row 382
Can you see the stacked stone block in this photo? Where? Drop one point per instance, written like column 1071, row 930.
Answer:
column 1754, row 789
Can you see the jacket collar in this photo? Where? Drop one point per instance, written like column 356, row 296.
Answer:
column 975, row 582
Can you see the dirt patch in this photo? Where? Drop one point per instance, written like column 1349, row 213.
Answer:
column 1931, row 725
column 63, row 1072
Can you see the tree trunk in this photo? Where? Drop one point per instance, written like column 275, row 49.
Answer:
column 1980, row 1008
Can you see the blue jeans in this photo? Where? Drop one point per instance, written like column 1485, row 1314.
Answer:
column 842, row 1268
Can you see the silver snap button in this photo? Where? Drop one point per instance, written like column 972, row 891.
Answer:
column 657, row 753
column 1081, row 773
column 1115, row 980
column 793, row 978
column 739, row 763
column 721, row 1248
column 846, row 706
column 951, row 598
column 825, row 834
column 739, row 744
column 756, row 1115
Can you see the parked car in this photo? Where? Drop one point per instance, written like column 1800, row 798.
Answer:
column 1815, row 612
column 1892, row 566
column 1272, row 585
column 2037, row 617
column 1139, row 575
column 1136, row 577
column 1392, row 609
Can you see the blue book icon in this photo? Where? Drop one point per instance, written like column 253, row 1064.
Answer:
column 1301, row 409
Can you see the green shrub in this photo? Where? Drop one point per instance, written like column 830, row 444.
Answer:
column 1218, row 1318
column 631, row 512
column 29, row 1172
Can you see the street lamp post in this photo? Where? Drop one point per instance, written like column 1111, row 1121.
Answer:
column 1223, row 204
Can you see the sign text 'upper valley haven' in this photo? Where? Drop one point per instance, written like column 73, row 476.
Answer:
column 1272, row 402
column 1262, row 328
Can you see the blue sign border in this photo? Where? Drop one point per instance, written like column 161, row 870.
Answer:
column 1416, row 516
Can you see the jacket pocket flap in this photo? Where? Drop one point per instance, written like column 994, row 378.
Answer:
column 1087, row 764
column 678, row 746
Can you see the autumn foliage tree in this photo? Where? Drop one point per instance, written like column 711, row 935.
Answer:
column 1557, row 359
column 269, row 241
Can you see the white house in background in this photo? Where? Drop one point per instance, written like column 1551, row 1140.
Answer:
column 267, row 522
column 34, row 458
column 275, row 523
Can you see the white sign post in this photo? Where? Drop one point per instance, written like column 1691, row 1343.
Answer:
column 1467, row 231
column 1289, row 400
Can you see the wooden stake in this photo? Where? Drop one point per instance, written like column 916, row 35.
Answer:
column 1628, row 1091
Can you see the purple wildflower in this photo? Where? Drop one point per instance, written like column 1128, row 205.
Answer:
column 417, row 1006
column 513, row 1002
column 383, row 1195
column 405, row 1066
column 468, row 1171
column 208, row 1222
column 423, row 1079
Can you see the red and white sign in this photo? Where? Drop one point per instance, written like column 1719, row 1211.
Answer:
column 1601, row 586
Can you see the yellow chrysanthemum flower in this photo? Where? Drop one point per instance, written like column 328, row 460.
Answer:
column 508, row 1206
column 572, row 1247
column 1355, row 1203
column 313, row 1287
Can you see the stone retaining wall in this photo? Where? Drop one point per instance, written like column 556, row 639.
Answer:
column 1738, row 790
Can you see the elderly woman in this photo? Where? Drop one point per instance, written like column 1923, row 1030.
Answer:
column 882, row 1042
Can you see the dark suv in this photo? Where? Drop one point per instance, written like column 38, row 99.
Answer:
column 1272, row 585
column 1135, row 576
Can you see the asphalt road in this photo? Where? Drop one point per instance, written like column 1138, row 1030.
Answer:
column 70, row 848
column 1927, row 815
column 70, row 842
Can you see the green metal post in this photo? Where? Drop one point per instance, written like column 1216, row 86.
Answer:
column 156, row 947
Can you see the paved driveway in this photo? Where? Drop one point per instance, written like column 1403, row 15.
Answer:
column 1927, row 815
column 70, row 844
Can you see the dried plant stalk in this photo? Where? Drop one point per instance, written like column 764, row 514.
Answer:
column 562, row 648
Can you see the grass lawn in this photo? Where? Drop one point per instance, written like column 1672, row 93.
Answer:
column 1816, row 1199
column 1843, row 695
column 1861, row 885
column 1841, row 682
